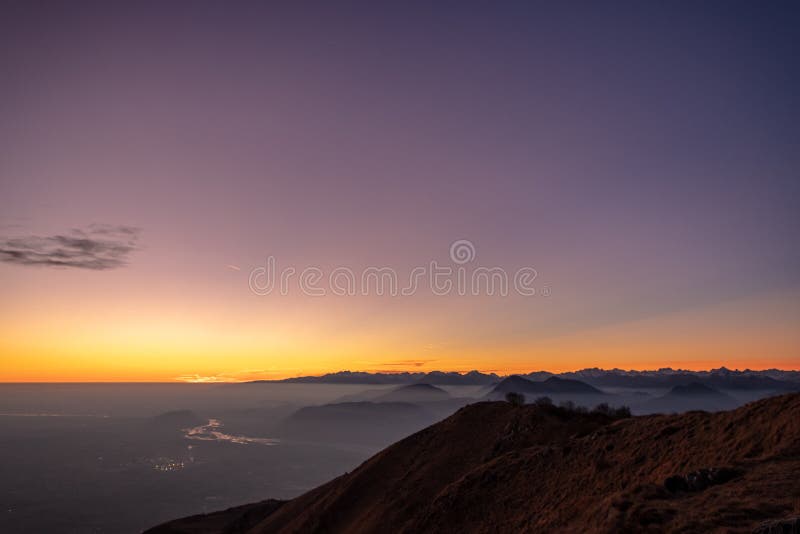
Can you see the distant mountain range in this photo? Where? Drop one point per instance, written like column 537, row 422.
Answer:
column 500, row 467
column 666, row 378
column 722, row 378
column 439, row 378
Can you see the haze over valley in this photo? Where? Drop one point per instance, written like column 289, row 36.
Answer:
column 183, row 449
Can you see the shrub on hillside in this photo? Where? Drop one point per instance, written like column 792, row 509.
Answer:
column 517, row 399
column 620, row 412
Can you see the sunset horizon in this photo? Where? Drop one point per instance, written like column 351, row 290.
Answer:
column 369, row 267
column 216, row 209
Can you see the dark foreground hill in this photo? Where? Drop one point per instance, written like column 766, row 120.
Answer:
column 494, row 467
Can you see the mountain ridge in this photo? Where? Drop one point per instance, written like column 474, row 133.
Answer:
column 539, row 468
column 720, row 378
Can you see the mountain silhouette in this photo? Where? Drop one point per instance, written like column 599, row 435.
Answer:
column 552, row 385
column 694, row 388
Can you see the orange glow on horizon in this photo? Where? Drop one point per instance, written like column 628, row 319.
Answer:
column 179, row 344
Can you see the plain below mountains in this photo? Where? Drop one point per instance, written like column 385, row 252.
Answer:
column 499, row 467
column 177, row 419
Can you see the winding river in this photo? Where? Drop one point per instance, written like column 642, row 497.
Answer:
column 211, row 432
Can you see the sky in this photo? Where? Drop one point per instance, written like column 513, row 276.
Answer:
column 638, row 160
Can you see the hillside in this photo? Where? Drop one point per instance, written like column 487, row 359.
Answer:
column 543, row 468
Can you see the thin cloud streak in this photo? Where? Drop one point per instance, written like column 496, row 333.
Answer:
column 99, row 247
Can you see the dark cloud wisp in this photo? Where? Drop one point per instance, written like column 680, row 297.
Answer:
column 98, row 247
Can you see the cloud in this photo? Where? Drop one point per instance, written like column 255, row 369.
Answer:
column 98, row 247
column 406, row 363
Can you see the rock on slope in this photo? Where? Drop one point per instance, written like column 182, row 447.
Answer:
column 493, row 467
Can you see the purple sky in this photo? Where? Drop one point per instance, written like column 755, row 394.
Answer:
column 642, row 156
